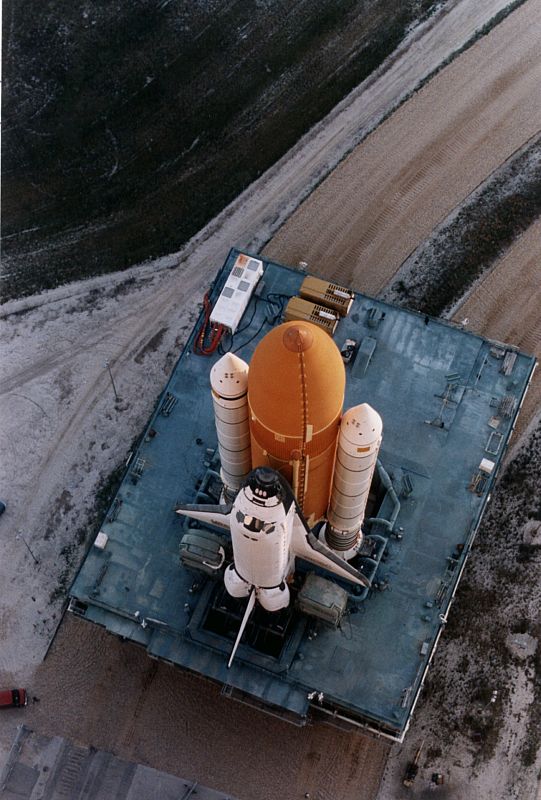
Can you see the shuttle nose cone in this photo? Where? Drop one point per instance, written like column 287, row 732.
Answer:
column 265, row 483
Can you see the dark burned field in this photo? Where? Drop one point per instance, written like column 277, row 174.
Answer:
column 129, row 125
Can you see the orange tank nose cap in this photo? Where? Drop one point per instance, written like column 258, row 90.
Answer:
column 298, row 338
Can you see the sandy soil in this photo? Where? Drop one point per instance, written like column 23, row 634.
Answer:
column 183, row 723
column 387, row 196
column 437, row 275
column 56, row 387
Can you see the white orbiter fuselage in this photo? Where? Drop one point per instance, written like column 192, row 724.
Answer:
column 268, row 531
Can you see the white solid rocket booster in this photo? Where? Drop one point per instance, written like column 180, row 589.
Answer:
column 229, row 382
column 356, row 457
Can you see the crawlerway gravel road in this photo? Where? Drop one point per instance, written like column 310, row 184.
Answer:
column 62, row 432
column 391, row 191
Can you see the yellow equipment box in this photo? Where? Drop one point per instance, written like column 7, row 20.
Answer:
column 327, row 294
column 326, row 318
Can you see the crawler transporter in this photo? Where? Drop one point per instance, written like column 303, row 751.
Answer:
column 298, row 513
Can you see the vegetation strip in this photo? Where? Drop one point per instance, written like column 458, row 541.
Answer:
column 468, row 242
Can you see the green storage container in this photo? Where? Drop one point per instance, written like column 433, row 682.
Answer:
column 202, row 550
column 322, row 599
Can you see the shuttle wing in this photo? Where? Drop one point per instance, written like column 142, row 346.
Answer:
column 217, row 515
column 306, row 545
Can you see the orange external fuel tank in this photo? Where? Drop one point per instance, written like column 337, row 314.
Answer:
column 296, row 389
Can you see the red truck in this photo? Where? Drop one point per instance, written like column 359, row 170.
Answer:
column 13, row 698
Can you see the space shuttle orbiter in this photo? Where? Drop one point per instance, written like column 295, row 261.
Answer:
column 289, row 459
column 268, row 531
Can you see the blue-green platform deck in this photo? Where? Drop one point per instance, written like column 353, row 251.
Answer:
column 370, row 670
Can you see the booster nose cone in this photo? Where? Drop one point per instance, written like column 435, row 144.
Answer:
column 229, row 376
column 356, row 457
column 361, row 427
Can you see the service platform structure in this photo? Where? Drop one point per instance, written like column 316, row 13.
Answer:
column 308, row 576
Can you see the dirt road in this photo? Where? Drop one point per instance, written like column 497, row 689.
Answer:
column 389, row 194
column 505, row 305
column 183, row 724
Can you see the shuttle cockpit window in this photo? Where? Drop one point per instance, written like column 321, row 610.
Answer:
column 253, row 524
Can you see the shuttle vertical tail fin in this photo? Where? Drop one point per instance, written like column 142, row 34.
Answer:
column 246, row 617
